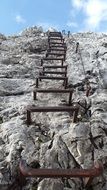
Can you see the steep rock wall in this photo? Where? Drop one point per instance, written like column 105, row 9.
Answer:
column 52, row 140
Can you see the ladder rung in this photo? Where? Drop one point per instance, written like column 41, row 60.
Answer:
column 53, row 78
column 55, row 67
column 53, row 90
column 74, row 108
column 54, row 72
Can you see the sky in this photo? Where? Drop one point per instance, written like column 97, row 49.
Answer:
column 68, row 15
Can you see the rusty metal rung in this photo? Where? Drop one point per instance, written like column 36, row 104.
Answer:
column 55, row 34
column 95, row 171
column 55, row 38
column 54, row 90
column 53, row 58
column 53, row 108
column 62, row 68
column 61, row 43
column 59, row 54
column 58, row 46
column 50, row 40
column 52, row 78
column 56, row 49
column 54, row 72
column 56, row 54
column 55, row 67
column 70, row 91
column 74, row 109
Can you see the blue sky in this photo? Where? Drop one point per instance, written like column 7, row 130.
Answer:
column 73, row 15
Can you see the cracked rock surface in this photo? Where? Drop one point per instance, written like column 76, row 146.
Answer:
column 52, row 140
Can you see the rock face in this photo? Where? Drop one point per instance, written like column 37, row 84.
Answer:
column 52, row 139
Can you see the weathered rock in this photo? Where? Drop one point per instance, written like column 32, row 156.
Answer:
column 51, row 185
column 52, row 140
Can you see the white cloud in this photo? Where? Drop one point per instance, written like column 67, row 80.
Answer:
column 19, row 19
column 72, row 24
column 77, row 3
column 94, row 11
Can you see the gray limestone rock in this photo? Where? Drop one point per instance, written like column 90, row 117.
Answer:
column 51, row 184
column 52, row 140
